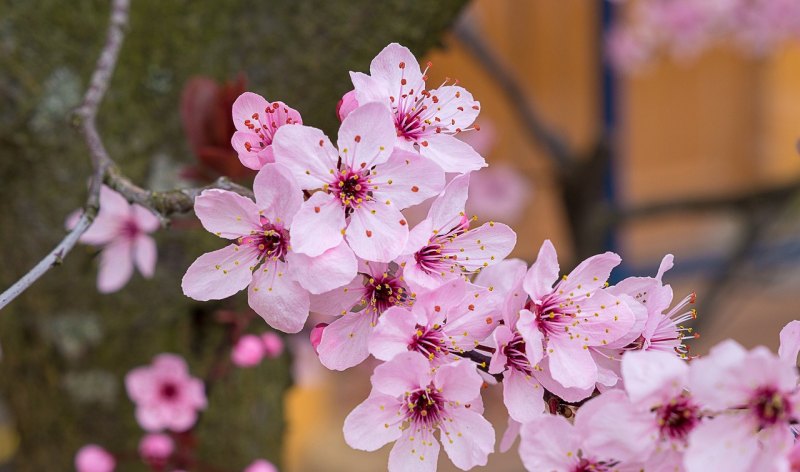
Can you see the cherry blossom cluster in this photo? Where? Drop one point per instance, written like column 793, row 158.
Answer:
column 684, row 28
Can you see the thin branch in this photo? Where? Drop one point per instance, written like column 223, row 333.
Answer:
column 542, row 135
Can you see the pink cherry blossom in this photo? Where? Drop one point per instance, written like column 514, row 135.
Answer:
column 551, row 443
column 499, row 192
column 358, row 305
column 273, row 344
column 248, row 351
column 425, row 120
column 166, row 395
column 759, row 392
column 261, row 256
column 441, row 324
column 93, row 458
column 256, row 122
column 261, row 465
column 156, row 448
column 364, row 185
column 565, row 319
column 122, row 230
column 443, row 247
column 409, row 402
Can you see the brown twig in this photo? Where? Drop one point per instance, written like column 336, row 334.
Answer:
column 104, row 170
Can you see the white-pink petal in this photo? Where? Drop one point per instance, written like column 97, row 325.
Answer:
column 145, row 255
column 377, row 231
column 116, row 265
column 470, row 439
column 277, row 195
column 523, row 396
column 367, row 136
column 451, row 154
column 458, row 381
column 373, row 423
column 219, row 274
column 332, row 269
column 226, row 214
column 407, row 179
column 318, row 225
column 307, row 153
column 543, row 273
column 277, row 298
column 344, row 342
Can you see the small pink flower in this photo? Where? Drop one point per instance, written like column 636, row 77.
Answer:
column 261, row 465
column 155, row 449
column 273, row 344
column 756, row 399
column 248, row 351
column 499, row 192
column 409, row 402
column 440, row 324
column 566, row 319
column 256, row 121
column 93, row 458
column 365, row 184
column 262, row 256
column 123, row 232
column 443, row 247
column 425, row 120
column 166, row 395
column 358, row 305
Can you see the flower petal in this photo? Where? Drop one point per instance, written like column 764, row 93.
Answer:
column 469, row 438
column 116, row 265
column 649, row 375
column 451, row 154
column 216, row 275
column 145, row 255
column 549, row 443
column 543, row 273
column 407, row 179
column 458, row 381
column 367, row 136
column 377, row 232
column 318, row 225
column 485, row 245
column 414, row 451
column 277, row 195
column 307, row 153
column 333, row 268
column 277, row 298
column 406, row 372
column 722, row 443
column 373, row 423
column 344, row 342
column 393, row 333
column 523, row 396
column 226, row 214
column 790, row 342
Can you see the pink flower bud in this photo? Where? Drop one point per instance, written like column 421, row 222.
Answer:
column 155, row 448
column 261, row 465
column 93, row 458
column 273, row 344
column 316, row 335
column 248, row 352
column 347, row 104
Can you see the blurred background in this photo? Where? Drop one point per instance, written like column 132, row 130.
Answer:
column 642, row 127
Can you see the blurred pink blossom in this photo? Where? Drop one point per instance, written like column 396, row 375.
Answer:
column 166, row 395
column 273, row 344
column 248, row 351
column 256, row 122
column 499, row 193
column 93, row 458
column 122, row 230
column 261, row 465
column 156, row 448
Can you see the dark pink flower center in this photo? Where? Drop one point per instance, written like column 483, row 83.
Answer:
column 770, row 406
column 352, row 187
column 272, row 241
column 425, row 407
column 589, row 465
column 429, row 341
column 437, row 257
column 515, row 355
column 385, row 292
column 169, row 391
column 551, row 316
column 130, row 229
column 677, row 418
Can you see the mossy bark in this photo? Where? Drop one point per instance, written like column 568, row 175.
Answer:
column 66, row 348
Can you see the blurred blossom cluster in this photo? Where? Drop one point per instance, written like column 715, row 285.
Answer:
column 685, row 28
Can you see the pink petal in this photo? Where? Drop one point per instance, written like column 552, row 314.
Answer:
column 394, row 64
column 332, row 269
column 102, row 230
column 393, row 333
column 141, row 385
column 591, row 274
column 414, row 451
column 543, row 273
column 248, row 351
column 790, row 342
column 714, row 379
column 216, row 275
column 378, row 236
column 145, row 255
column 545, row 377
column 347, row 104
column 406, row 372
column 367, row 89
column 339, row 300
column 505, row 278
column 549, row 443
column 534, row 339
column 448, row 209
column 458, row 381
column 458, row 105
column 113, row 204
column 451, row 154
column 471, row 439
column 145, row 219
column 613, row 427
column 277, row 195
column 277, row 298
column 226, row 214
column 723, row 443
column 251, row 149
column 650, row 375
column 344, row 342
column 93, row 458
column 181, row 419
column 485, row 245
column 570, row 364
column 171, row 365
column 501, row 336
column 307, row 153
column 407, row 179
column 523, row 396
column 245, row 106
column 510, row 435
column 318, row 225
column 116, row 266
column 367, row 136
column 373, row 423
column 195, row 393
column 150, row 418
